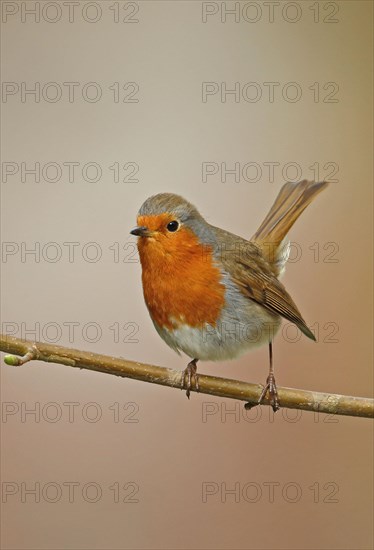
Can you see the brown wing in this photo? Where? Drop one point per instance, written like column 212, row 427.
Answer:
column 256, row 279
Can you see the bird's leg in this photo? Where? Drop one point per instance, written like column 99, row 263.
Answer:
column 270, row 384
column 191, row 372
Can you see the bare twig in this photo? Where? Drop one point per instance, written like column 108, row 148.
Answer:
column 220, row 387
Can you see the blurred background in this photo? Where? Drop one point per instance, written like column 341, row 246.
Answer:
column 104, row 104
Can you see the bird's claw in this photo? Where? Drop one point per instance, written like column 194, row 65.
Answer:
column 273, row 393
column 191, row 373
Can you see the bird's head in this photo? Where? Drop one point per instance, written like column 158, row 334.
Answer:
column 169, row 225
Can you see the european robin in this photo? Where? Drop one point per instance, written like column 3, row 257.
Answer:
column 212, row 294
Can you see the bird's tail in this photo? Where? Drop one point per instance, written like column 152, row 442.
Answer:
column 291, row 201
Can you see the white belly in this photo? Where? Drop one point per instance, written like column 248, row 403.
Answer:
column 228, row 339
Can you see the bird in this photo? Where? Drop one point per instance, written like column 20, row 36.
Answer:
column 212, row 294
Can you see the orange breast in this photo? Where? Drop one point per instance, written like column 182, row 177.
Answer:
column 181, row 284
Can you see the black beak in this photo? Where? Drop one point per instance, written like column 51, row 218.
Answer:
column 141, row 232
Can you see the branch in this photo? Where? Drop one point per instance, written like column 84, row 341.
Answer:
column 220, row 387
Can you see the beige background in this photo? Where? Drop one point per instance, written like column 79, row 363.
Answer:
column 173, row 450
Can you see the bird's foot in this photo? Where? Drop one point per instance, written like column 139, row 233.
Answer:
column 273, row 393
column 190, row 372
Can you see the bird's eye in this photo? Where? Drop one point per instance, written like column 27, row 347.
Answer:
column 172, row 226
